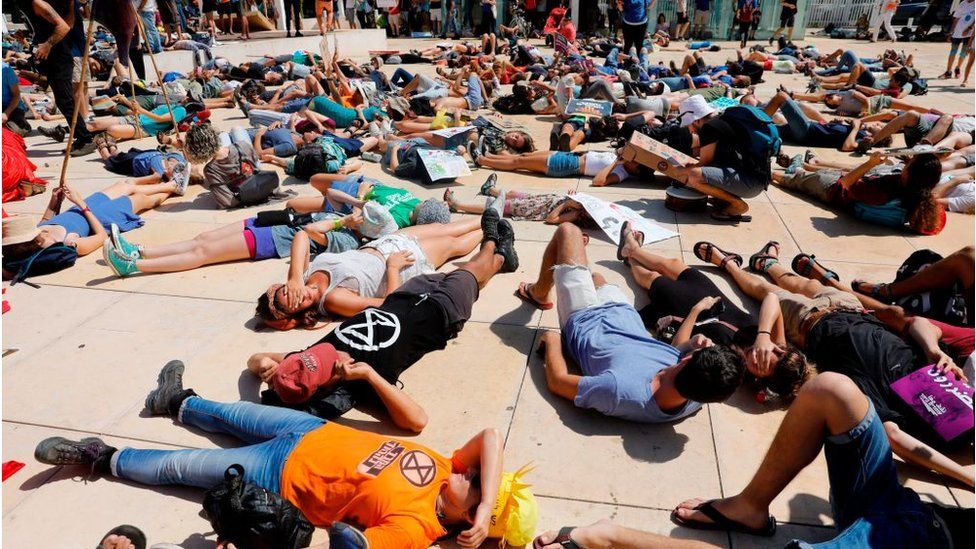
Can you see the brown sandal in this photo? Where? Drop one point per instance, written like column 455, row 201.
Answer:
column 707, row 248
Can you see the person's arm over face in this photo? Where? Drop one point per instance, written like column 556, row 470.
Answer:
column 486, row 453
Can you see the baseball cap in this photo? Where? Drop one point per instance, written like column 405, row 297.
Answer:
column 301, row 374
column 693, row 109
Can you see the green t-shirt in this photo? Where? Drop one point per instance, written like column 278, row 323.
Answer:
column 399, row 202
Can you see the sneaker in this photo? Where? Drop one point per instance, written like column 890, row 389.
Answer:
column 488, row 185
column 56, row 133
column 181, row 177
column 505, row 246
column 87, row 451
column 489, row 225
column 473, row 151
column 372, row 157
column 122, row 245
column 168, row 385
column 795, row 163
column 374, row 129
column 298, row 34
column 81, row 149
column 121, row 265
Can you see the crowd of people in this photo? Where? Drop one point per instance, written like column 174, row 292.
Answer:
column 370, row 254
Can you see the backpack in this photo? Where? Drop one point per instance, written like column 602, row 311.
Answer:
column 946, row 304
column 54, row 258
column 758, row 141
column 919, row 87
column 252, row 517
column 321, row 156
column 335, row 156
column 889, row 214
column 253, row 186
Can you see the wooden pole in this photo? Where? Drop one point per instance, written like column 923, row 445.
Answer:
column 159, row 77
column 78, row 100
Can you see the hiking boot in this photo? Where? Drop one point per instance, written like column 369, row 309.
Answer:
column 181, row 177
column 489, row 225
column 122, row 245
column 473, row 151
column 169, row 384
column 121, row 265
column 56, row 133
column 505, row 246
column 87, row 451
column 81, row 149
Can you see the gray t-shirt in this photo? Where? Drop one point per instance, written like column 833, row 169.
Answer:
column 849, row 105
column 220, row 174
column 338, row 241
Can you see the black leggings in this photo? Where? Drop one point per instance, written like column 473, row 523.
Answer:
column 634, row 36
column 295, row 5
column 744, row 32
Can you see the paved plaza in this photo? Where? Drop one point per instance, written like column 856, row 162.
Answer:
column 81, row 352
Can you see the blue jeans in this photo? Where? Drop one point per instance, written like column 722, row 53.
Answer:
column 796, row 120
column 272, row 433
column 451, row 25
column 152, row 33
column 871, row 507
column 611, row 60
column 401, row 77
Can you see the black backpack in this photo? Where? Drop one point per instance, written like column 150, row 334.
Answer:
column 310, row 160
column 54, row 258
column 253, row 518
column 945, row 304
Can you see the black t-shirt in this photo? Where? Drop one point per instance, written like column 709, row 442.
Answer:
column 723, row 135
column 677, row 297
column 861, row 347
column 41, row 27
column 390, row 338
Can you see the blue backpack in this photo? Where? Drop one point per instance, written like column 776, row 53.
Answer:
column 758, row 141
column 52, row 259
column 889, row 214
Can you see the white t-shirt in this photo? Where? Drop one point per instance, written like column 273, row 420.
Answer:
column 962, row 197
column 150, row 5
column 964, row 25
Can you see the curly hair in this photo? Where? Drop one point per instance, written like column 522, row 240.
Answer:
column 306, row 319
column 201, row 143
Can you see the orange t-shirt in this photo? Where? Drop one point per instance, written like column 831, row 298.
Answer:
column 385, row 485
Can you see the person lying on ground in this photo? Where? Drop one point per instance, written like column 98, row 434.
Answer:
column 152, row 166
column 550, row 208
column 344, row 284
column 144, row 122
column 870, row 504
column 291, row 453
column 626, row 373
column 808, row 128
column 837, row 333
column 566, row 135
column 85, row 226
column 905, row 190
column 604, row 167
column 856, row 104
column 953, row 132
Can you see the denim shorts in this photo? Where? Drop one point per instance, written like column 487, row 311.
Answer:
column 294, row 105
column 260, row 241
column 870, row 506
column 741, row 184
column 563, row 164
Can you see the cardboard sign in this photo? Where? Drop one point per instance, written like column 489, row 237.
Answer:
column 908, row 152
column 655, row 155
column 942, row 401
column 611, row 216
column 443, row 164
column 590, row 107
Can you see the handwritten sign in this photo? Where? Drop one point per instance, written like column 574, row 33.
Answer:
column 941, row 400
column 611, row 216
column 443, row 164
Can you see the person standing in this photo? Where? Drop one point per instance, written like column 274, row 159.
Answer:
column 452, row 22
column 436, row 17
column 633, row 15
column 487, row 16
column 702, row 14
column 787, row 18
column 962, row 33
column 51, row 22
column 147, row 12
column 681, row 23
column 744, row 12
column 888, row 8
column 293, row 11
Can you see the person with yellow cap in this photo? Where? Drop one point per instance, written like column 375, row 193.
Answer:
column 402, row 494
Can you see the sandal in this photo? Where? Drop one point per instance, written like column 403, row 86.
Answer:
column 488, row 185
column 562, row 539
column 878, row 290
column 525, row 295
column 759, row 262
column 735, row 218
column 706, row 255
column 449, row 199
column 722, row 522
column 811, row 264
column 626, row 229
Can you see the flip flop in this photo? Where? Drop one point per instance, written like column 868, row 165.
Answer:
column 722, row 522
column 562, row 539
column 624, row 230
column 807, row 269
column 735, row 218
column 762, row 255
column 523, row 294
column 709, row 247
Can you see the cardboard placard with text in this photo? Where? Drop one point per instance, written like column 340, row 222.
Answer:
column 655, row 155
column 589, row 107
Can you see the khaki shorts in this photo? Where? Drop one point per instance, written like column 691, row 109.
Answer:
column 702, row 17
column 76, row 71
column 818, row 184
column 797, row 308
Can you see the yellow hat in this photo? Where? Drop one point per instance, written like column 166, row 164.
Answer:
column 516, row 513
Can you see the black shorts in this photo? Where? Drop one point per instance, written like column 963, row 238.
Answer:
column 682, row 17
column 676, row 298
column 455, row 292
column 787, row 18
column 866, row 79
column 231, row 8
column 209, row 6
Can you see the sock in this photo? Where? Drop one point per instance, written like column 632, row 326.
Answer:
column 177, row 400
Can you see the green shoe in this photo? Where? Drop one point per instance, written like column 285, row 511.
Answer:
column 123, row 246
column 120, row 265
